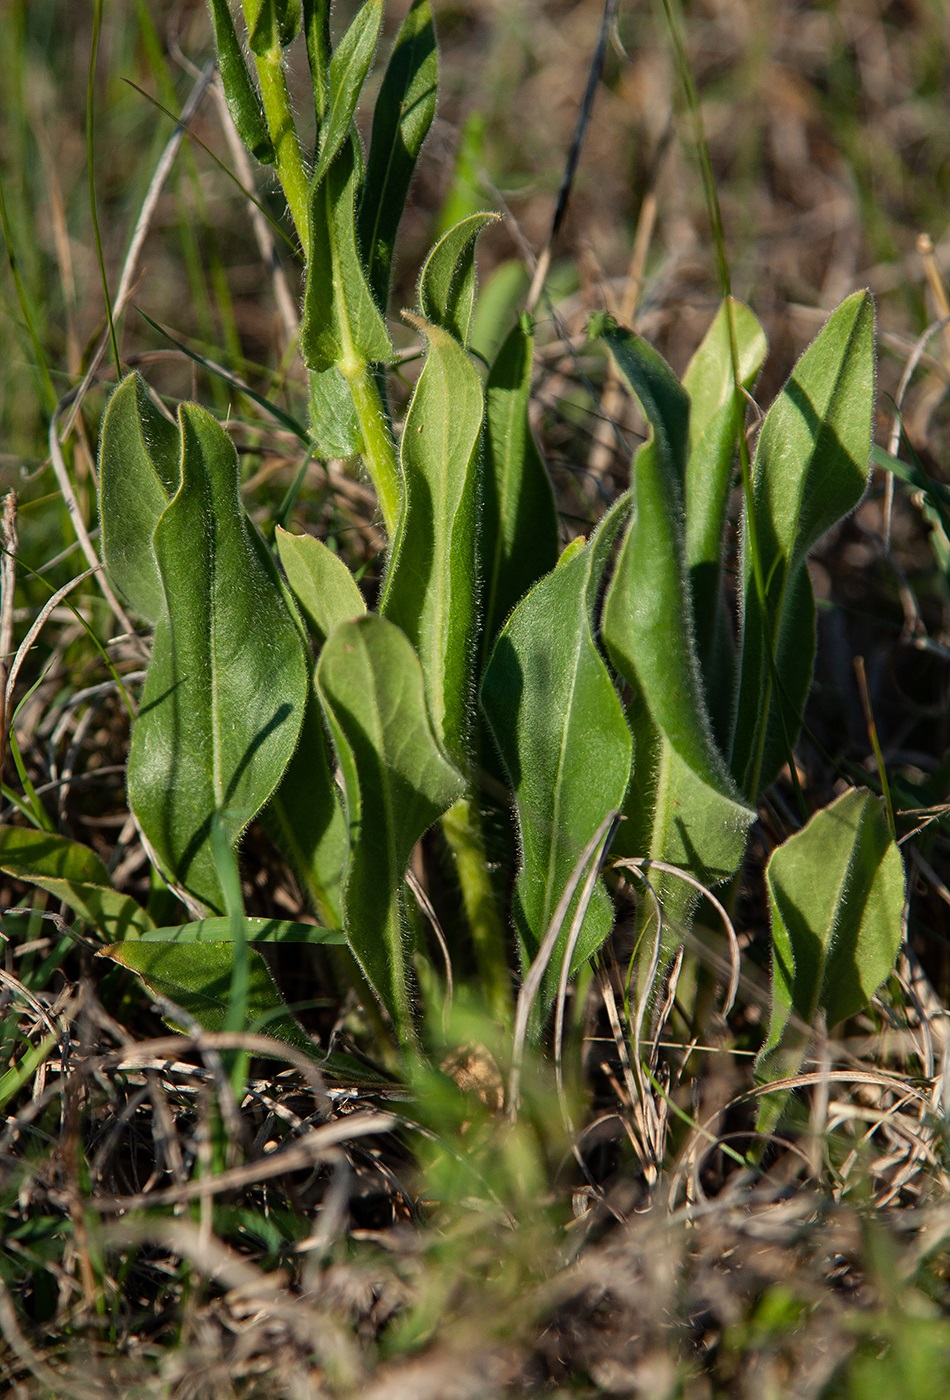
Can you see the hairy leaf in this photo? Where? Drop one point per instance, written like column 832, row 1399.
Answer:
column 401, row 119
column 221, row 930
column 717, row 415
column 342, row 325
column 811, row 468
column 325, row 590
column 519, row 518
column 430, row 587
column 197, row 977
column 560, row 729
column 397, row 783
column 244, row 102
column 139, row 472
column 447, row 280
column 224, row 696
column 682, row 806
column 74, row 874
column 836, row 901
column 349, row 68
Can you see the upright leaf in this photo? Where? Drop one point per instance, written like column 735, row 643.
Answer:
column 225, row 693
column 717, row 416
column 518, row 530
column 305, row 820
column 325, row 590
column 342, row 325
column 430, row 587
column 811, row 468
column 139, row 472
column 560, row 729
column 75, row 875
column 401, row 120
column 316, row 28
column 397, row 783
column 836, row 902
column 447, row 280
column 243, row 99
column 682, row 806
column 349, row 68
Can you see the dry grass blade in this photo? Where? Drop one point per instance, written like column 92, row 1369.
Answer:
column 590, row 860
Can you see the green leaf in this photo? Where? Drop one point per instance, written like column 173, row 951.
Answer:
column 139, row 471
column 717, row 416
column 836, row 901
column 271, row 24
column 349, row 68
column 305, row 820
column 682, row 807
column 316, row 27
column 500, row 298
column 74, row 874
column 401, row 119
column 243, row 99
column 224, row 696
column 342, row 325
column 430, row 587
column 447, row 280
column 221, row 930
column 334, row 427
column 397, row 783
column 518, row 526
column 811, row 468
column 560, row 729
column 325, row 590
column 197, row 977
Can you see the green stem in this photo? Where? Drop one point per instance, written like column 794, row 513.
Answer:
column 291, row 170
column 379, row 451
column 463, row 832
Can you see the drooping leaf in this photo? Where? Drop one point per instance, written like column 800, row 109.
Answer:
column 74, row 874
column 430, row 587
column 447, row 280
column 349, row 68
column 197, row 977
column 682, row 806
column 836, row 901
column 224, row 696
column 811, row 468
column 717, row 416
column 401, row 119
column 221, row 930
column 341, row 321
column 325, row 590
column 397, row 783
column 560, row 729
column 139, row 472
column 244, row 102
column 518, row 524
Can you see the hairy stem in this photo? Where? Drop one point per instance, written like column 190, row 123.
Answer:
column 463, row 832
